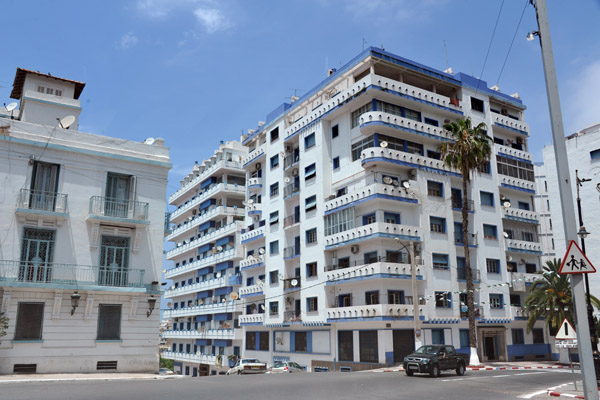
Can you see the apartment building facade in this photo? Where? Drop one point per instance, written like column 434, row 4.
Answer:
column 82, row 228
column 205, row 231
column 541, row 201
column 345, row 182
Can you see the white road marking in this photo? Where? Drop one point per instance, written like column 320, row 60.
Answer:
column 494, row 376
column 530, row 395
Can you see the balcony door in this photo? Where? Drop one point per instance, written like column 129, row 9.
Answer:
column 37, row 253
column 114, row 261
column 119, row 192
column 44, row 185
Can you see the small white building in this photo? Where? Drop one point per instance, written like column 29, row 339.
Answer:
column 81, row 237
column 203, row 304
column 583, row 152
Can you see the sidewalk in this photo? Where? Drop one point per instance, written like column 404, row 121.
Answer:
column 490, row 366
column 21, row 378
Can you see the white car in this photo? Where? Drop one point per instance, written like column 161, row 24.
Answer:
column 165, row 371
column 248, row 366
column 285, row 367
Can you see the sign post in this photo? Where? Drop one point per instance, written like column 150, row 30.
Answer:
column 566, row 338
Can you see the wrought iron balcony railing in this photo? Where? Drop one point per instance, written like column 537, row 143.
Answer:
column 42, row 201
column 117, row 208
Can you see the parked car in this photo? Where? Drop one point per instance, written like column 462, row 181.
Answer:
column 433, row 359
column 285, row 366
column 248, row 366
column 165, row 371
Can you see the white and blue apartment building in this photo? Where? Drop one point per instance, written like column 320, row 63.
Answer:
column 203, row 304
column 81, row 237
column 343, row 182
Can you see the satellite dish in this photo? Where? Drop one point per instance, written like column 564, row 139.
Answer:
column 250, row 201
column 10, row 106
column 262, row 307
column 261, row 250
column 287, row 179
column 169, row 304
column 250, row 257
column 509, row 258
column 383, row 144
column 224, row 300
column 406, row 185
column 234, row 296
column 66, row 122
column 506, row 204
column 244, row 203
column 198, row 353
column 219, row 248
column 218, row 275
column 200, row 301
column 294, row 282
column 505, row 234
column 387, row 180
column 149, row 141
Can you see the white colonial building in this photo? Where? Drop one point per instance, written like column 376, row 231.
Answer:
column 81, row 237
column 583, row 152
column 344, row 181
column 205, row 232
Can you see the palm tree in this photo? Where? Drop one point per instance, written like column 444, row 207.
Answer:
column 550, row 298
column 468, row 152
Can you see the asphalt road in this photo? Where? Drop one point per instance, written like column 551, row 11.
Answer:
column 478, row 385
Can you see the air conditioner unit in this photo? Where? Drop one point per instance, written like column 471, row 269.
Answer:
column 295, row 172
column 354, row 249
column 412, row 174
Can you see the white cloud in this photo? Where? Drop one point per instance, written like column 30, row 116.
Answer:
column 161, row 8
column 582, row 106
column 386, row 9
column 211, row 19
column 127, row 40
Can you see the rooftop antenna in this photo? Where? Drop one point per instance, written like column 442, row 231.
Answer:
column 66, row 122
column 364, row 43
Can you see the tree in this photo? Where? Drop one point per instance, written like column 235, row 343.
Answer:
column 550, row 298
column 166, row 363
column 468, row 152
column 3, row 325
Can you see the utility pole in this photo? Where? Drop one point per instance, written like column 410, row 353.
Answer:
column 590, row 387
column 415, row 293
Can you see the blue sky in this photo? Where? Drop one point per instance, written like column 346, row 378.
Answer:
column 198, row 71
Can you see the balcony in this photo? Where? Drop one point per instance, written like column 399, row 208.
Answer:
column 200, row 219
column 471, row 238
column 252, row 262
column 204, row 239
column 78, row 277
column 510, row 124
column 252, row 234
column 203, row 262
column 292, row 283
column 190, row 357
column 252, row 319
column 374, row 155
column 291, row 160
column 196, row 287
column 516, row 214
column 518, row 313
column 457, row 204
column 384, row 123
column 226, row 188
column 252, row 290
column 122, row 212
column 51, row 205
column 374, row 230
column 292, row 316
column 208, row 171
column 229, row 306
column 291, row 189
column 254, row 155
column 374, row 191
column 254, row 208
column 522, row 246
column 513, row 153
column 223, row 334
column 254, row 183
column 291, row 220
column 291, row 252
column 462, row 274
column 520, row 185
column 379, row 311
column 381, row 269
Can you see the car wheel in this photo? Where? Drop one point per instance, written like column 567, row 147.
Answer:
column 409, row 372
column 460, row 370
column 434, row 371
column 239, row 372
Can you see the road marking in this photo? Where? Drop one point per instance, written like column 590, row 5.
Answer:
column 494, row 376
column 530, row 395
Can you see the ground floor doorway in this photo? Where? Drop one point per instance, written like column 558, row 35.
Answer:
column 404, row 343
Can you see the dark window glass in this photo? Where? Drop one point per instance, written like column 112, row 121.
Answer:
column 346, row 345
column 264, row 341
column 250, row 340
column 30, row 318
column 538, row 335
column 368, row 346
column 476, row 104
column 109, row 322
column 300, row 342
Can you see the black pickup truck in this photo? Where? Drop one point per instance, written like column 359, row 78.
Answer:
column 435, row 358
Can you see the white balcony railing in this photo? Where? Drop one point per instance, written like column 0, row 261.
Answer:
column 518, row 214
column 225, row 334
column 252, row 319
column 221, row 187
column 214, row 308
column 372, row 154
column 365, row 270
column 513, row 152
column 373, row 310
column 195, row 358
column 200, row 219
column 252, row 234
column 254, row 208
column 376, row 188
column 253, row 260
column 255, row 182
column 204, row 239
column 197, row 287
column 203, row 262
column 371, row 229
column 256, row 153
column 251, row 290
column 516, row 182
column 521, row 245
column 202, row 176
column 504, row 121
column 366, row 121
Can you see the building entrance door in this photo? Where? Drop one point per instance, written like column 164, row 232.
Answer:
column 404, row 343
column 490, row 347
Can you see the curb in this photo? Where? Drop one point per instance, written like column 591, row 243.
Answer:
column 556, row 394
column 469, row 368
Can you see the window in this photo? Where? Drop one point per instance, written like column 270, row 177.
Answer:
column 311, row 236
column 523, row 205
column 300, row 342
column 476, row 104
column 496, row 300
column 114, row 260
column 312, row 304
column 274, row 247
column 30, row 319
column 434, row 154
column 369, row 219
column 368, row 347
column 538, row 335
column 336, row 162
column 487, row 199
column 335, row 131
column 49, row 91
column 437, row 224
column 391, row 218
column 357, row 113
column 493, row 266
column 346, row 345
column 430, row 121
column 437, row 336
column 311, row 269
column 435, row 189
column 109, row 322
column 310, row 172
column 37, row 254
column 515, row 168
column 595, row 154
column 440, row 261
column 485, row 168
column 490, row 232
column 370, row 257
column 44, row 185
column 274, row 134
column 361, row 145
column 395, row 297
column 273, row 217
column 118, row 194
column 40, row 89
column 250, row 281
column 515, row 300
column 343, row 262
column 310, row 203
column 412, row 114
column 250, row 340
column 530, row 268
column 339, row 222
column 443, row 300
column 309, row 141
column 517, row 336
column 275, row 161
column 274, row 276
column 345, row 300
column 263, row 341
column 274, row 308
column 274, row 189
column 372, row 297
column 464, row 338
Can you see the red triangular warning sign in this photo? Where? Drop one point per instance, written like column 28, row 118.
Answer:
column 575, row 262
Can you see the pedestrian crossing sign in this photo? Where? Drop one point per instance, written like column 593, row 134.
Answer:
column 566, row 331
column 575, row 262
